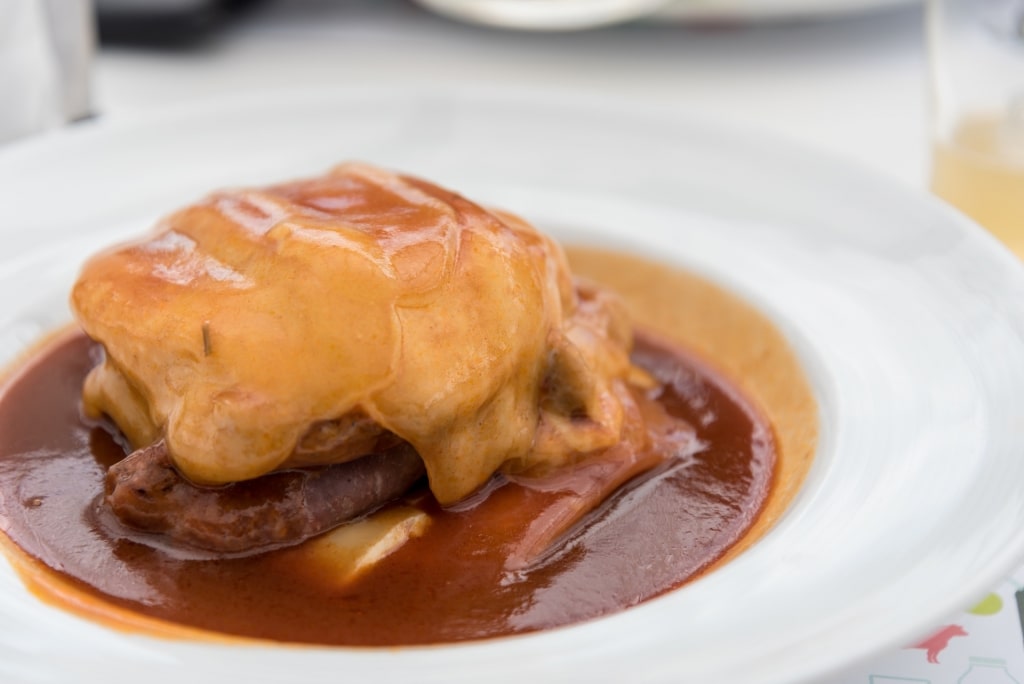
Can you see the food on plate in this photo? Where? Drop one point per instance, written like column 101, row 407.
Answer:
column 391, row 416
column 319, row 321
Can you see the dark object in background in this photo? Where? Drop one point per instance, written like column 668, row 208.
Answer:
column 1020, row 609
column 163, row 23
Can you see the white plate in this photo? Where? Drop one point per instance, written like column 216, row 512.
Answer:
column 910, row 322
column 561, row 15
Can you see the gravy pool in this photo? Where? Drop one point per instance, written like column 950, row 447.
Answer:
column 729, row 374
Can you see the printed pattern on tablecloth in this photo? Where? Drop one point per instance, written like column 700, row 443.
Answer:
column 984, row 645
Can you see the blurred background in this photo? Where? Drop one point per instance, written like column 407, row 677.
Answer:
column 845, row 76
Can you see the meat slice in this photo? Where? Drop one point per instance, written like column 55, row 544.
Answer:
column 146, row 492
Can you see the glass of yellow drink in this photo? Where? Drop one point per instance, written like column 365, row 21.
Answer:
column 977, row 62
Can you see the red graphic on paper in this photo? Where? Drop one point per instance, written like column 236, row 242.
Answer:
column 937, row 643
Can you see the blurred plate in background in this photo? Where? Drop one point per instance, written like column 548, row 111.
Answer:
column 565, row 15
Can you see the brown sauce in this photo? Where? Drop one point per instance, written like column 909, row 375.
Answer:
column 453, row 583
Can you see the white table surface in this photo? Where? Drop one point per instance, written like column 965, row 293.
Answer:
column 854, row 87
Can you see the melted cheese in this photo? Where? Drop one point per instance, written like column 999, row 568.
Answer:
column 254, row 315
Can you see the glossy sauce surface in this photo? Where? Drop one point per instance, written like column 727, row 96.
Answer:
column 454, row 583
